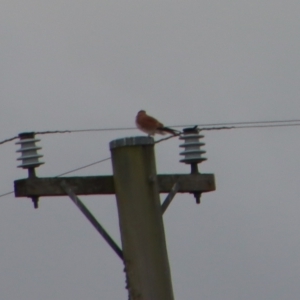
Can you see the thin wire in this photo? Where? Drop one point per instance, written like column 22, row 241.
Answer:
column 267, row 126
column 250, row 126
column 53, row 131
column 6, row 194
column 167, row 138
column 86, row 166
column 216, row 126
column 243, row 123
column 102, row 129
column 177, row 126
column 8, row 140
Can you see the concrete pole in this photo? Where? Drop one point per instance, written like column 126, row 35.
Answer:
column 140, row 218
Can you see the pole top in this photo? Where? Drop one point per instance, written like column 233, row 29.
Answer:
column 131, row 141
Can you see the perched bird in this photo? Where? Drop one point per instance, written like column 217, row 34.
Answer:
column 151, row 126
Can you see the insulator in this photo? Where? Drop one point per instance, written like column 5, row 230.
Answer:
column 192, row 152
column 29, row 155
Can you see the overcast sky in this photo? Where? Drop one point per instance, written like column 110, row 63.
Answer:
column 93, row 64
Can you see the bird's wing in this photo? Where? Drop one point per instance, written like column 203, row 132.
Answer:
column 150, row 122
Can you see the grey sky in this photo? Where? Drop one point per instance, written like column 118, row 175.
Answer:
column 94, row 64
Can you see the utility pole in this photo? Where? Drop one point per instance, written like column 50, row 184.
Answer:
column 137, row 187
column 141, row 225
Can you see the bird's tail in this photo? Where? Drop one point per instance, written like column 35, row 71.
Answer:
column 169, row 130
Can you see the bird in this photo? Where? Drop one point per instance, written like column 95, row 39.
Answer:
column 151, row 126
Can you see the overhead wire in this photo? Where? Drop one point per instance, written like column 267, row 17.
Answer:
column 244, row 123
column 5, row 194
column 210, row 126
column 8, row 140
column 86, row 166
column 263, row 126
column 219, row 126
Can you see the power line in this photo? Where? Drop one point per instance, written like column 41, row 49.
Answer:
column 232, row 124
column 86, row 166
column 6, row 194
column 208, row 126
column 267, row 126
column 250, row 126
column 211, row 126
column 244, row 123
column 8, row 140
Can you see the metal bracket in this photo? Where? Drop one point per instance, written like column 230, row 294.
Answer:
column 92, row 219
column 170, row 197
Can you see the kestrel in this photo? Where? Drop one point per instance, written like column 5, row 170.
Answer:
column 150, row 125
